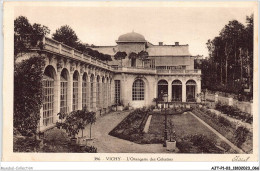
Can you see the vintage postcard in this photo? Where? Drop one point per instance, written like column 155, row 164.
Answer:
column 130, row 81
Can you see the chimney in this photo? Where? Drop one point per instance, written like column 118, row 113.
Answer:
column 176, row 43
column 160, row 43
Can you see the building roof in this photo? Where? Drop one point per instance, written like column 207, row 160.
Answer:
column 169, row 50
column 131, row 37
column 110, row 50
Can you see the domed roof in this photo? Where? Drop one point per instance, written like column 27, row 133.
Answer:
column 131, row 37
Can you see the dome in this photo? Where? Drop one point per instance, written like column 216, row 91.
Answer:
column 131, row 37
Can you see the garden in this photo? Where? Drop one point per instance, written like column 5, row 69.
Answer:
column 189, row 134
column 62, row 138
column 239, row 135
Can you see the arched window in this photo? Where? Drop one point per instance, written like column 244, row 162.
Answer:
column 177, row 90
column 48, row 99
column 75, row 90
column 190, row 90
column 64, row 91
column 91, row 91
column 138, row 90
column 162, row 89
column 84, row 91
column 98, row 92
column 103, row 93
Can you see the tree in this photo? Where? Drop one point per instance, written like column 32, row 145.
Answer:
column 143, row 55
column 27, row 35
column 132, row 55
column 28, row 94
column 120, row 56
column 230, row 60
column 65, row 34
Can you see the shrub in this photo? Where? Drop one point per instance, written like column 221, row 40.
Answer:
column 25, row 144
column 241, row 135
column 28, row 94
column 56, row 136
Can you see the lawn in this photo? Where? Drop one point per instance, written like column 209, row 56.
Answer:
column 191, row 135
column 186, row 126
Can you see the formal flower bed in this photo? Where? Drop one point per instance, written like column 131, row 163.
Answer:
column 234, row 112
column 131, row 128
column 238, row 135
column 198, row 144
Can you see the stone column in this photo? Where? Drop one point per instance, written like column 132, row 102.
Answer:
column 230, row 101
column 88, row 94
column 183, row 92
column 198, row 91
column 80, row 92
column 56, row 97
column 216, row 98
column 94, row 93
column 169, row 91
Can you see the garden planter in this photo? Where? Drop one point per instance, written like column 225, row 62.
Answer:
column 82, row 141
column 120, row 108
column 89, row 141
column 170, row 145
column 73, row 141
column 114, row 108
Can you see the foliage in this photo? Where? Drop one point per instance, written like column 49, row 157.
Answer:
column 143, row 55
column 234, row 112
column 25, row 144
column 66, row 35
column 56, row 136
column 132, row 55
column 120, row 56
column 241, row 135
column 131, row 128
column 229, row 67
column 197, row 144
column 228, row 129
column 28, row 94
column 171, row 131
column 27, row 35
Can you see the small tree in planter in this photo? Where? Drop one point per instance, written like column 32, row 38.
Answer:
column 156, row 100
column 82, row 116
column 62, row 116
column 71, row 125
column 91, row 118
column 120, row 106
column 171, row 143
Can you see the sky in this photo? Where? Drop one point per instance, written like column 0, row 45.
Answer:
column 102, row 26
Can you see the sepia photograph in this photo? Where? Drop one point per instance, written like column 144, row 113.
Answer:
column 131, row 78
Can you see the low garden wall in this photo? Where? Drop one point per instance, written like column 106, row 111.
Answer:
column 242, row 105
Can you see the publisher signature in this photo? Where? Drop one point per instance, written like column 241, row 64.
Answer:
column 240, row 159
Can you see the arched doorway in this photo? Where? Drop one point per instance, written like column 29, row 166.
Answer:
column 190, row 91
column 84, row 90
column 177, row 91
column 75, row 90
column 162, row 89
column 49, row 78
column 91, row 99
column 64, row 78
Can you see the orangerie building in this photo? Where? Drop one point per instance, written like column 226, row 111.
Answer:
column 73, row 79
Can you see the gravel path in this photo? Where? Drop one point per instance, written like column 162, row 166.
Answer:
column 109, row 144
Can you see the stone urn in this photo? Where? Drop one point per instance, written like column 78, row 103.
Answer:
column 170, row 145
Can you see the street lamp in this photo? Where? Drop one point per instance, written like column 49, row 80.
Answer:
column 165, row 120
